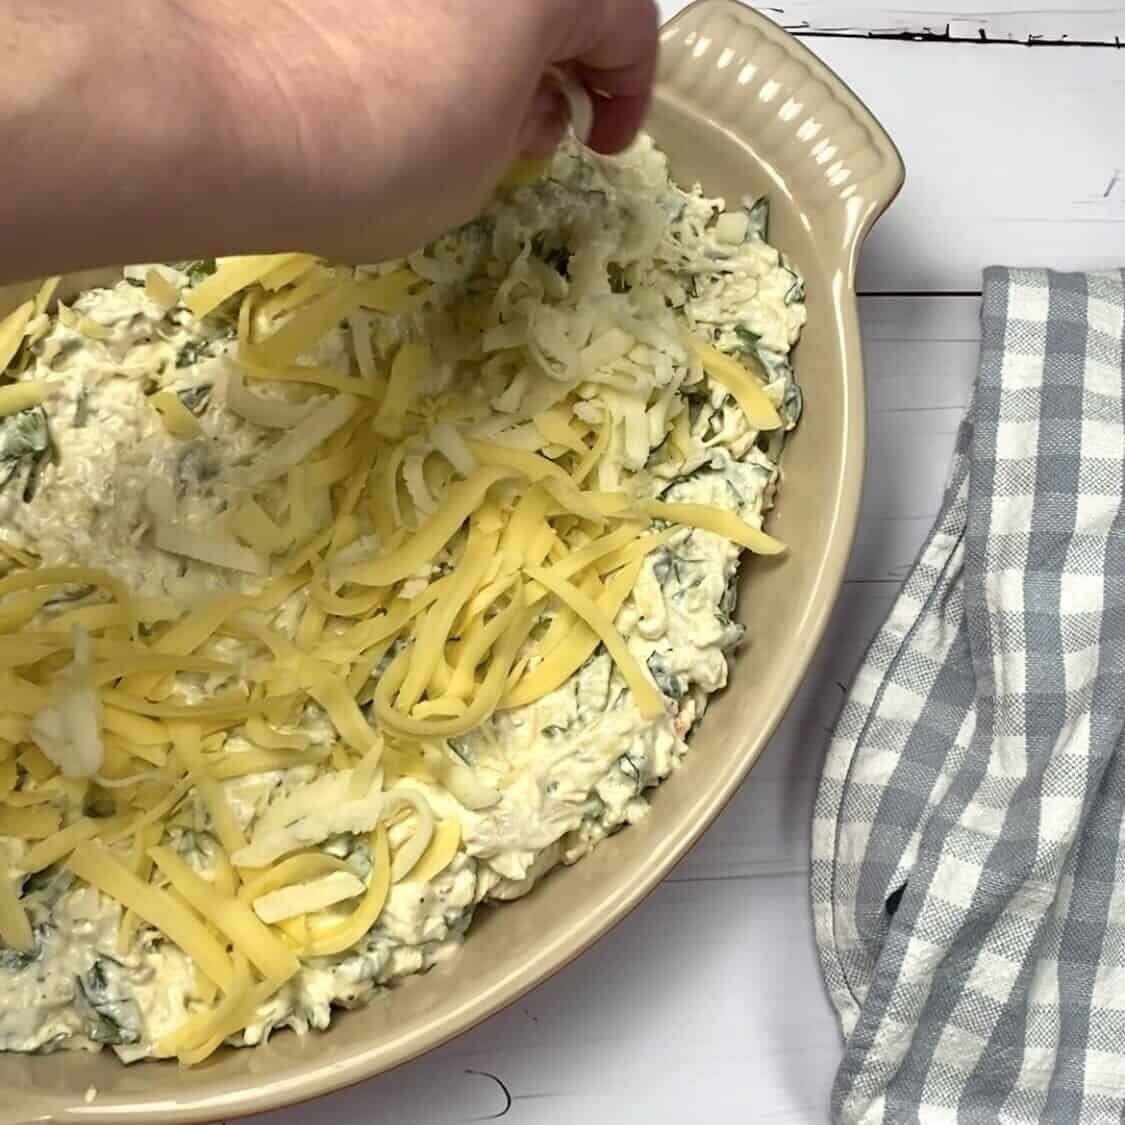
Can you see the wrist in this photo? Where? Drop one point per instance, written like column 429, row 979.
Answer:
column 114, row 112
column 288, row 120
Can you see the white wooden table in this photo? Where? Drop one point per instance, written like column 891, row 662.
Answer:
column 706, row 1004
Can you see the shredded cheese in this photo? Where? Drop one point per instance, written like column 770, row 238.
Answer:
column 15, row 929
column 717, row 520
column 440, row 551
column 232, row 276
column 97, row 866
column 19, row 396
column 649, row 700
column 264, row 950
column 748, row 393
column 12, row 329
column 439, row 853
column 305, row 898
column 338, row 936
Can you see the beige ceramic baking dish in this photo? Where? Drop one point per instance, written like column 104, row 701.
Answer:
column 742, row 108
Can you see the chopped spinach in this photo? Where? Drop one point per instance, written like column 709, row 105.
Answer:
column 74, row 592
column 714, row 425
column 736, row 496
column 557, row 257
column 25, row 440
column 776, row 364
column 792, row 404
column 554, row 731
column 194, row 469
column 748, row 341
column 482, row 226
column 50, row 883
column 200, row 268
column 759, row 213
column 667, row 681
column 458, row 746
column 192, row 352
column 81, row 410
column 796, row 291
column 110, row 1011
column 669, row 565
column 196, row 398
column 13, row 961
column 135, row 282
column 97, row 976
column 630, row 769
column 618, row 282
column 729, row 601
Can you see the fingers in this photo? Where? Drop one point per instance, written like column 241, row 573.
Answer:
column 612, row 47
column 545, row 123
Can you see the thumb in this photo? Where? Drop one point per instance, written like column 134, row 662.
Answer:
column 545, row 122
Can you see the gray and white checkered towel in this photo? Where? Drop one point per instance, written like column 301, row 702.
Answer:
column 969, row 836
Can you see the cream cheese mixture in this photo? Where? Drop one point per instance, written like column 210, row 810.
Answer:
column 565, row 325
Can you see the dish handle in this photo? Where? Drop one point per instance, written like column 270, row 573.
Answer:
column 752, row 76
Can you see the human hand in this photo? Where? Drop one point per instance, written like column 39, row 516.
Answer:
column 365, row 127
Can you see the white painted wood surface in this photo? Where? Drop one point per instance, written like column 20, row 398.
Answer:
column 706, row 1004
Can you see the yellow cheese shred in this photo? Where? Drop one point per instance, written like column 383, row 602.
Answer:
column 306, row 327
column 141, row 866
column 228, row 1020
column 408, row 372
column 332, row 694
column 253, row 525
column 262, row 947
column 262, row 734
column 97, row 866
column 69, row 576
column 29, row 823
column 575, row 645
column 747, row 391
column 399, row 291
column 154, row 814
column 19, row 396
column 299, row 868
column 339, row 936
column 12, row 329
column 232, row 276
column 438, row 854
column 9, row 775
column 717, row 520
column 227, row 706
column 526, row 518
column 649, row 701
column 462, row 499
column 61, row 844
column 288, row 272
column 247, row 762
column 15, row 929
column 202, row 1033
column 304, row 373
column 315, row 281
column 556, row 428
column 159, row 289
column 510, row 628
column 186, row 742
column 431, row 635
column 524, row 171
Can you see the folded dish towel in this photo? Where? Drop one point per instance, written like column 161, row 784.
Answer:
column 969, row 835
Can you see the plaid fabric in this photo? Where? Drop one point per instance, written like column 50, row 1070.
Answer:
column 969, row 836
